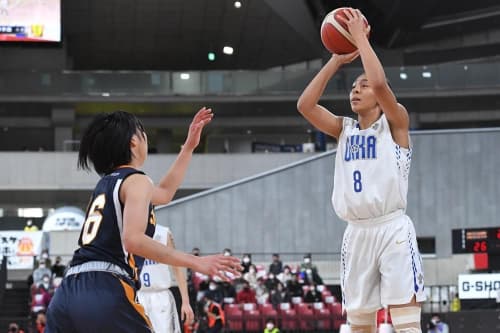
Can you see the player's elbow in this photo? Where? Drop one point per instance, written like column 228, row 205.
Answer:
column 302, row 106
column 131, row 243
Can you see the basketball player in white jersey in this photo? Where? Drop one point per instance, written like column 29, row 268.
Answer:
column 155, row 294
column 380, row 261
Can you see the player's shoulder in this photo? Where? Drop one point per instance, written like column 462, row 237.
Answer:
column 348, row 121
column 136, row 184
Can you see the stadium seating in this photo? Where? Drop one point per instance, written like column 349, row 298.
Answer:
column 234, row 318
column 305, row 316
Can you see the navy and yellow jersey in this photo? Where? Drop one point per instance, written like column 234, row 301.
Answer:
column 101, row 235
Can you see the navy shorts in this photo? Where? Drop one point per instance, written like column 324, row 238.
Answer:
column 96, row 302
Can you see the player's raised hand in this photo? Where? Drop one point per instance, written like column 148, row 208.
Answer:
column 346, row 58
column 201, row 118
column 219, row 265
column 356, row 24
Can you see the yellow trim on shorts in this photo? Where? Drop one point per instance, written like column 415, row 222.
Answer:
column 130, row 293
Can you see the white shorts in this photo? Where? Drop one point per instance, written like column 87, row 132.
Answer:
column 161, row 310
column 380, row 265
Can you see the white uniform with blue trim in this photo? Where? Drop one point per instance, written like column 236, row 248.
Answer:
column 380, row 261
column 154, row 295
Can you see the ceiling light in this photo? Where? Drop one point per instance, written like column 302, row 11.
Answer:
column 211, row 56
column 184, row 76
column 403, row 76
column 237, row 4
column 426, row 75
column 105, row 94
column 227, row 50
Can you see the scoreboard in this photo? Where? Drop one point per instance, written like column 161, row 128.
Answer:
column 477, row 240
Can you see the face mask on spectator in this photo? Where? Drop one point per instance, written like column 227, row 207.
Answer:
column 227, row 254
column 271, row 276
column 246, row 260
column 46, row 279
column 212, row 286
column 42, row 265
column 270, row 326
column 307, row 260
column 45, row 256
column 251, row 270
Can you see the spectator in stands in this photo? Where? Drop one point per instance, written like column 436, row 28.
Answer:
column 41, row 322
column 286, row 276
column 14, row 328
column 47, row 283
column 40, row 272
column 227, row 252
column 58, row 268
column 228, row 290
column 312, row 295
column 192, row 278
column 261, row 291
column 246, row 262
column 44, row 257
column 271, row 282
column 251, row 276
column 215, row 316
column 455, row 305
column 294, row 287
column 271, row 327
column 30, row 226
column 246, row 295
column 40, row 299
column 276, row 267
column 214, row 292
column 279, row 295
column 309, row 271
column 436, row 325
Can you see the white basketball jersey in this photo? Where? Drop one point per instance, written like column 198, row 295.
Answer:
column 371, row 172
column 155, row 275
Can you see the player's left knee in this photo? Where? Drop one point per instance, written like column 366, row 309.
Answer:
column 406, row 319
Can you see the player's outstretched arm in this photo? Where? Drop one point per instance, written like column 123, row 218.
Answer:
column 168, row 185
column 396, row 114
column 187, row 313
column 136, row 193
column 308, row 105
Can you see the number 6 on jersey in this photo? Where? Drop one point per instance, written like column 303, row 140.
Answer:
column 93, row 220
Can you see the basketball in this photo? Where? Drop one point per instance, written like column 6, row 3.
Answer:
column 335, row 34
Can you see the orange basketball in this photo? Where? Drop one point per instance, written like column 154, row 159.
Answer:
column 335, row 34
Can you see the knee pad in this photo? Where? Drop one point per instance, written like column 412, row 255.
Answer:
column 362, row 319
column 406, row 319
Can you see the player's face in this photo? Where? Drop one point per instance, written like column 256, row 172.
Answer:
column 361, row 96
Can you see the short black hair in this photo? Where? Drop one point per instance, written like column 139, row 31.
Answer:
column 106, row 141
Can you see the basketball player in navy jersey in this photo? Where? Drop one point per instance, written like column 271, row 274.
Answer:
column 98, row 292
column 380, row 261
